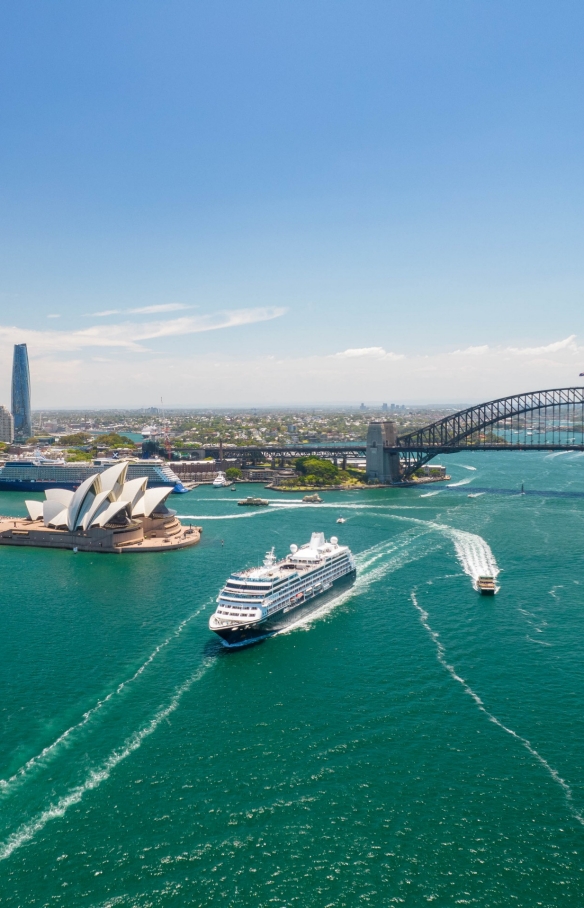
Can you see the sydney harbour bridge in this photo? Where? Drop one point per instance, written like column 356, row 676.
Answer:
column 551, row 420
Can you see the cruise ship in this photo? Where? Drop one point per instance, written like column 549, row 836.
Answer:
column 40, row 474
column 259, row 602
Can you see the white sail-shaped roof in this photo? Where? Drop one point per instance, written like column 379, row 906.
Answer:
column 91, row 484
column 99, row 504
column 35, row 509
column 62, row 495
column 98, row 499
column 54, row 514
column 134, row 490
column 110, row 512
column 112, row 479
column 86, row 506
column 151, row 500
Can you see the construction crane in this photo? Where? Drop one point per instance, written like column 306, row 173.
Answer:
column 165, row 432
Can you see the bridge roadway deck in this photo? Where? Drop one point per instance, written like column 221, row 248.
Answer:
column 359, row 449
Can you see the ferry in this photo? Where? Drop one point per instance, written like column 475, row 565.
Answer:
column 486, row 586
column 258, row 602
column 39, row 475
column 254, row 502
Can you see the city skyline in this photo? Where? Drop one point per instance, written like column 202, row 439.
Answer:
column 295, row 204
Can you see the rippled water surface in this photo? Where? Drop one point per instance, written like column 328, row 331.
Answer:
column 413, row 743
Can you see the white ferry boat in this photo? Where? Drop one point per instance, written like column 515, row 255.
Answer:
column 258, row 602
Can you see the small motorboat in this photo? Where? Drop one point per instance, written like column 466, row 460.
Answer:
column 486, row 585
column 341, row 519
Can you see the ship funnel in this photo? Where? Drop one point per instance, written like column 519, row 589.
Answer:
column 316, row 540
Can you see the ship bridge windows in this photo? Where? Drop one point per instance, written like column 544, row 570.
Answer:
column 262, row 587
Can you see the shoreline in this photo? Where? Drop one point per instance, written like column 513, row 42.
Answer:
column 359, row 486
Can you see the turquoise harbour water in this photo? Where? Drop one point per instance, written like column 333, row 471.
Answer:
column 413, row 744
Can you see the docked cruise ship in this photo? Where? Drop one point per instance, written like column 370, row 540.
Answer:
column 258, row 602
column 40, row 474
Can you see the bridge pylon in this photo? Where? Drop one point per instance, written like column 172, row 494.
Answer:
column 382, row 463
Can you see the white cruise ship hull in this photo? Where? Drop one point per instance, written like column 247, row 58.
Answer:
column 237, row 634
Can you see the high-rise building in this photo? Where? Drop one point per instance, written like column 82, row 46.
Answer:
column 21, row 393
column 6, row 425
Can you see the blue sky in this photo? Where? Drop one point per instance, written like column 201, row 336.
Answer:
column 252, row 189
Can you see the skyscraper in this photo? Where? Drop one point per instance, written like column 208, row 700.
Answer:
column 21, row 393
column 6, row 426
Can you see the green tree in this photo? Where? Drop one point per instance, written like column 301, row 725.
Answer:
column 76, row 440
column 74, row 455
column 317, row 471
column 113, row 440
column 233, row 473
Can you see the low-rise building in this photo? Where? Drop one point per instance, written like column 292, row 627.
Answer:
column 435, row 470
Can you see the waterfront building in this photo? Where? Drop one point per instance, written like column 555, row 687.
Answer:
column 108, row 512
column 21, row 394
column 6, row 425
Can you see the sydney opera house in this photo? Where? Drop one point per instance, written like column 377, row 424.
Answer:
column 106, row 513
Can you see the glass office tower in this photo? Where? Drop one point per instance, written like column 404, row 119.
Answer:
column 21, row 394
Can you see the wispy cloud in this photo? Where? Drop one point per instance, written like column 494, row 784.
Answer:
column 548, row 348
column 54, row 315
column 555, row 347
column 130, row 335
column 472, row 351
column 141, row 310
column 371, row 352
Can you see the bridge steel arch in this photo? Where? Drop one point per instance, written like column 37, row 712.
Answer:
column 558, row 425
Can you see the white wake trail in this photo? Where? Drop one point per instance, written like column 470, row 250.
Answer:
column 27, row 831
column 441, row 656
column 6, row 785
column 461, row 482
column 474, row 554
column 472, row 551
column 372, row 565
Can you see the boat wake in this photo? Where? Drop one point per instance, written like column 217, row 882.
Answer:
column 474, row 555
column 372, row 565
column 441, row 656
column 252, row 513
column 461, row 482
column 51, row 750
column 96, row 776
